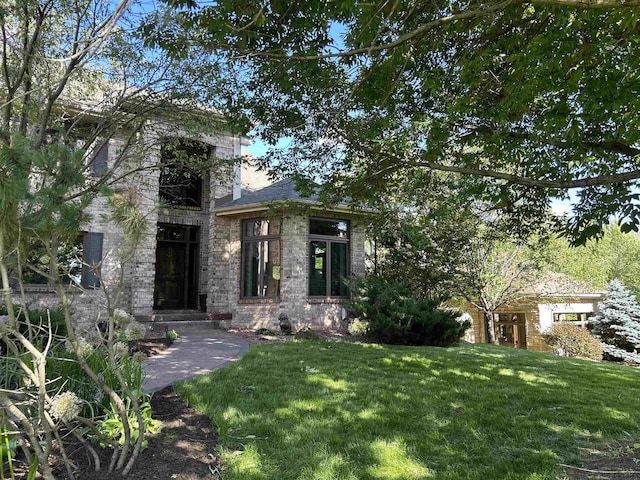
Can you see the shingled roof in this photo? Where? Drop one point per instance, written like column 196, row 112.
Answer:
column 280, row 191
column 553, row 284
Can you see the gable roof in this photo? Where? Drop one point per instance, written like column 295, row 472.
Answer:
column 278, row 192
column 281, row 191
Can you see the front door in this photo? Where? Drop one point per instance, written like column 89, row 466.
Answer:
column 177, row 253
column 511, row 329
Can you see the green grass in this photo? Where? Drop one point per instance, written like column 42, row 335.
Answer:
column 320, row 410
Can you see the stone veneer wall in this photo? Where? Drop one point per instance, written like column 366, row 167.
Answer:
column 224, row 294
column 215, row 185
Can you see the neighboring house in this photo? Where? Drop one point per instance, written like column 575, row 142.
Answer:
column 555, row 298
column 214, row 249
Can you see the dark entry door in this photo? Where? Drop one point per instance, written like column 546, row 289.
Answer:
column 511, row 329
column 176, row 284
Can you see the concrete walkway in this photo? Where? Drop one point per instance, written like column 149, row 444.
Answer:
column 199, row 349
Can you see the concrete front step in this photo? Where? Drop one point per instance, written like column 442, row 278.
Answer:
column 177, row 316
column 183, row 326
column 171, row 320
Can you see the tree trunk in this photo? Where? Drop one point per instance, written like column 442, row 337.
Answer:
column 490, row 328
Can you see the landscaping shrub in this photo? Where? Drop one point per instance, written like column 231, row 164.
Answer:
column 39, row 319
column 55, row 315
column 569, row 340
column 66, row 372
column 265, row 331
column 112, row 426
column 395, row 316
column 306, row 333
column 358, row 328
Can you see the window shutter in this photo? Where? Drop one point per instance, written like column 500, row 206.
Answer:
column 91, row 256
column 99, row 162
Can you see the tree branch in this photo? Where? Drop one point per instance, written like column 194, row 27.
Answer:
column 485, row 10
column 422, row 29
column 599, row 180
column 604, row 4
column 614, row 146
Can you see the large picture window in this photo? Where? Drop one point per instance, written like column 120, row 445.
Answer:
column 261, row 266
column 328, row 258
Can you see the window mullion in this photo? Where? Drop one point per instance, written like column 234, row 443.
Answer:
column 328, row 279
column 261, row 268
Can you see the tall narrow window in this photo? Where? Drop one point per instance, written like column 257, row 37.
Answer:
column 328, row 258
column 99, row 163
column 92, row 256
column 180, row 180
column 261, row 265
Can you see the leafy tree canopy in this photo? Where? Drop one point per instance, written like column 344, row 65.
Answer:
column 512, row 102
column 615, row 256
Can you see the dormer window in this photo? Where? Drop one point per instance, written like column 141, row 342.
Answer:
column 180, row 180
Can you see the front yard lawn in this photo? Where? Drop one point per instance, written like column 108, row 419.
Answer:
column 325, row 410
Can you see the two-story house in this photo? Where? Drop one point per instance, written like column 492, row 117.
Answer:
column 213, row 249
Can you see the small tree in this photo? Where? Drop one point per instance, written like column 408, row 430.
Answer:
column 423, row 246
column 498, row 273
column 617, row 324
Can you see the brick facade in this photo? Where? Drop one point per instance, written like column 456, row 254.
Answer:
column 294, row 300
column 538, row 312
column 219, row 251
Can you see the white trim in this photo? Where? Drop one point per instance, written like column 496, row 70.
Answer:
column 237, row 170
column 572, row 295
column 546, row 311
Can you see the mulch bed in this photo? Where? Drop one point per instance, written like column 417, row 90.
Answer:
column 183, row 450
column 616, row 460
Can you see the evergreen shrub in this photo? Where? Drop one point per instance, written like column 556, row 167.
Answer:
column 617, row 324
column 569, row 340
column 396, row 316
column 306, row 333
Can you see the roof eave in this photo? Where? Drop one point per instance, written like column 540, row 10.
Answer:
column 573, row 295
column 260, row 207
